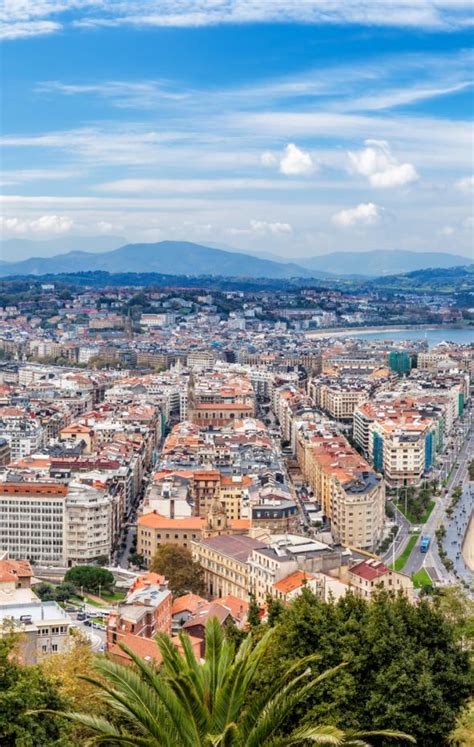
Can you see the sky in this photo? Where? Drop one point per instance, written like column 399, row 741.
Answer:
column 297, row 127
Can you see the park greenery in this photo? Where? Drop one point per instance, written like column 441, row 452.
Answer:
column 349, row 666
column 417, row 503
column 177, row 564
column 92, row 578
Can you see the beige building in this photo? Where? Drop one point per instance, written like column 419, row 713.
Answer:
column 43, row 626
column 224, row 560
column 351, row 494
column 154, row 530
column 370, row 576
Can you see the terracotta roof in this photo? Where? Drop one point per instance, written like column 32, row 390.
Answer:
column 145, row 648
column 156, row 521
column 214, row 610
column 293, row 581
column 238, row 607
column 369, row 569
column 12, row 570
column 147, row 579
column 188, row 603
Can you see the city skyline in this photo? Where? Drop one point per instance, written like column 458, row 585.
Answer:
column 299, row 130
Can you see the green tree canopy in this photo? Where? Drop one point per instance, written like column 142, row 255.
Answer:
column 406, row 668
column 89, row 577
column 194, row 703
column 177, row 564
column 24, row 689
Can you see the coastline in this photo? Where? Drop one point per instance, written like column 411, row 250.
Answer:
column 351, row 331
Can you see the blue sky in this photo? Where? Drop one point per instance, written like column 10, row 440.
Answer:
column 298, row 128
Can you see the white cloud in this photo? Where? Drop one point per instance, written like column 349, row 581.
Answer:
column 25, row 29
column 27, row 17
column 296, row 161
column 45, row 224
column 262, row 228
column 382, row 169
column 466, row 184
column 365, row 214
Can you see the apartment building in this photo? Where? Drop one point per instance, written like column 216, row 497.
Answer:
column 145, row 612
column 400, row 437
column 33, row 521
column 370, row 576
column 339, row 398
column 43, row 627
column 5, row 454
column 55, row 524
column 351, row 494
column 23, row 433
column 321, row 585
column 283, row 555
column 89, row 524
column 154, row 530
column 224, row 560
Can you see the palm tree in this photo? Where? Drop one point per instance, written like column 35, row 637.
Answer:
column 193, row 703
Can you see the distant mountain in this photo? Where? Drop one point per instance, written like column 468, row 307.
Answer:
column 14, row 250
column 168, row 257
column 185, row 258
column 378, row 263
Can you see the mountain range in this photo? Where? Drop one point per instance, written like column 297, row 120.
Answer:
column 14, row 250
column 187, row 258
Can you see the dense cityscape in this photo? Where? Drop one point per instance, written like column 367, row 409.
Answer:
column 213, row 453
column 236, row 373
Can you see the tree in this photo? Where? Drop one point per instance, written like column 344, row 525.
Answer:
column 177, row 564
column 64, row 591
column 89, row 577
column 65, row 670
column 45, row 592
column 253, row 615
column 24, row 689
column 194, row 703
column 406, row 669
column 275, row 609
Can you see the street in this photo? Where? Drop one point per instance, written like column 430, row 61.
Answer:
column 431, row 559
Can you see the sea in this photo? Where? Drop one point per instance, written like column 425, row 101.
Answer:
column 434, row 336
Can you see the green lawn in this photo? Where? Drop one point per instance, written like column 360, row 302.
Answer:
column 422, row 579
column 113, row 596
column 401, row 561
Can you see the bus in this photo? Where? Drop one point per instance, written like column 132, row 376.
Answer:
column 425, row 543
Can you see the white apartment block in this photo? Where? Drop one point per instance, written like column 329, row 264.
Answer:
column 23, row 435
column 55, row 524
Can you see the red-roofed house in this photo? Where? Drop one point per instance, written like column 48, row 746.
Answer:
column 369, row 576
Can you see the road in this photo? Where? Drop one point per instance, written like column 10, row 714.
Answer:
column 431, row 559
column 96, row 637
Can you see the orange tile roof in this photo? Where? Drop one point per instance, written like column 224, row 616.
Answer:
column 293, row 581
column 147, row 579
column 12, row 570
column 238, row 607
column 240, row 523
column 156, row 521
column 188, row 603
